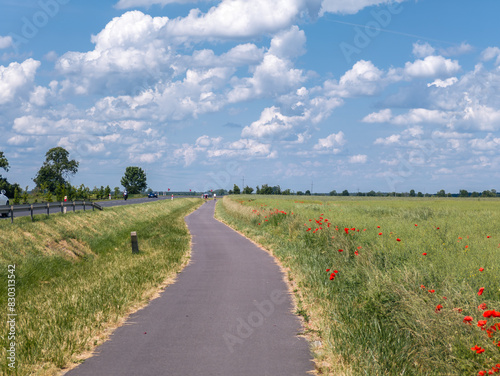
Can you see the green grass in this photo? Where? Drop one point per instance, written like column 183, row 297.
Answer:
column 374, row 318
column 76, row 277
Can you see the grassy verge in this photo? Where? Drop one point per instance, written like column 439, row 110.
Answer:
column 389, row 309
column 76, row 277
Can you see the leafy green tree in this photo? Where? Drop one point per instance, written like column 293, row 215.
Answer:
column 56, row 169
column 107, row 192
column 4, row 163
column 308, row 192
column 412, row 193
column 236, row 190
column 134, row 180
column 266, row 190
column 117, row 192
column 345, row 192
column 247, row 190
column 25, row 195
column 475, row 194
column 300, row 193
column 16, row 200
column 441, row 193
column 286, row 192
column 464, row 193
column 333, row 193
column 60, row 192
column 371, row 194
column 420, row 194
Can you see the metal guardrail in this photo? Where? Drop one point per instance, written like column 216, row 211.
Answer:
column 11, row 209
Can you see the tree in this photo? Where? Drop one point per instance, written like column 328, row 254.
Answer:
column 333, row 193
column 247, row 190
column 56, row 169
column 412, row 193
column 4, row 163
column 371, row 193
column 345, row 192
column 236, row 190
column 300, row 193
column 117, row 192
column 464, row 193
column 107, row 192
column 134, row 180
column 420, row 194
column 441, row 193
column 286, row 192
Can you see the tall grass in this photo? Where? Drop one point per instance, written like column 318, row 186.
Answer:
column 76, row 277
column 374, row 318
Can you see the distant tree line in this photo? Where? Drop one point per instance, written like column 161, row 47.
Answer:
column 276, row 190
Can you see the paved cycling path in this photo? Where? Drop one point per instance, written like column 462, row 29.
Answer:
column 228, row 314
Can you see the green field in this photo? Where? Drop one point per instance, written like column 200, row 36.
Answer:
column 77, row 279
column 406, row 272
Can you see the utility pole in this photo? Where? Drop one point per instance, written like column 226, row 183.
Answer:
column 243, row 186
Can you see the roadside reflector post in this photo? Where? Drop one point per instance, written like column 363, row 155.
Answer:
column 135, row 244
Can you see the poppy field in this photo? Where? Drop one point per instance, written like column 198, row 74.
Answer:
column 386, row 286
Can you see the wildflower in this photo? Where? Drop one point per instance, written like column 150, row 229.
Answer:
column 480, row 292
column 481, row 269
column 425, row 253
column 477, row 349
column 466, row 246
column 335, row 271
column 327, row 270
column 437, row 228
column 341, row 250
column 416, row 225
column 467, row 319
column 346, row 230
column 481, row 323
column 482, row 306
column 360, row 247
column 378, row 226
column 488, row 237
column 356, row 253
column 432, row 291
column 332, row 276
column 309, row 229
column 422, row 287
column 439, row 307
column 398, row 239
column 380, row 233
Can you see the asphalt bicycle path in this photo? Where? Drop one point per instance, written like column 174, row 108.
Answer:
column 228, row 314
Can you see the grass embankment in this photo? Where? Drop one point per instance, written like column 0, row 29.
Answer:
column 76, row 277
column 389, row 309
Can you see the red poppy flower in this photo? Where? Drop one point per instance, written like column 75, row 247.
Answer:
column 482, row 306
column 481, row 269
column 346, row 230
column 378, row 226
column 466, row 246
column 480, row 292
column 360, row 247
column 437, row 228
column 481, row 323
column 398, row 240
column 432, row 291
column 332, row 276
column 477, row 349
column 439, row 307
column 327, row 270
column 309, row 229
column 481, row 373
column 488, row 237
column 335, row 271
column 425, row 253
column 356, row 253
column 416, row 225
column 422, row 287
column 341, row 250
column 467, row 319
column 380, row 233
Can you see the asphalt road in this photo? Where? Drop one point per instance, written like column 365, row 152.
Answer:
column 106, row 204
column 228, row 314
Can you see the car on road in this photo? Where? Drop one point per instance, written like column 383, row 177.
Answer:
column 4, row 200
column 152, row 195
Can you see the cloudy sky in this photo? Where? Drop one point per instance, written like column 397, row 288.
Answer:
column 328, row 94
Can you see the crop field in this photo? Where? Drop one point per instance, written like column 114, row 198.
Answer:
column 76, row 278
column 388, row 286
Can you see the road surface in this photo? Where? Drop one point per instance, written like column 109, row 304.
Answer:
column 228, row 314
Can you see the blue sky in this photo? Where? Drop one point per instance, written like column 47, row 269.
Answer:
column 333, row 94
